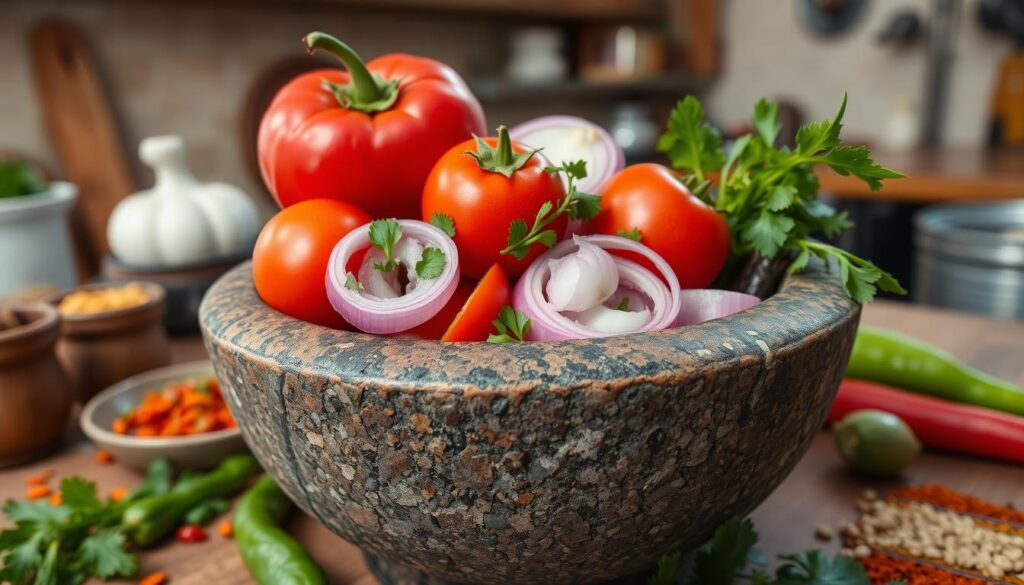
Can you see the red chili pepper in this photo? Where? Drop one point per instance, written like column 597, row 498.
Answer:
column 190, row 533
column 938, row 423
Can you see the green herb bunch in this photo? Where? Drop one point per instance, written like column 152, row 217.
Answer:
column 769, row 194
column 731, row 557
column 80, row 538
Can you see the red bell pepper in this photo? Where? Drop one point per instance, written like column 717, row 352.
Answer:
column 368, row 136
column 938, row 423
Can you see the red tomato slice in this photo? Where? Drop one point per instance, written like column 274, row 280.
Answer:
column 473, row 323
column 438, row 324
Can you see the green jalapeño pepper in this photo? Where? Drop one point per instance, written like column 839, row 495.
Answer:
column 272, row 556
column 896, row 360
column 153, row 517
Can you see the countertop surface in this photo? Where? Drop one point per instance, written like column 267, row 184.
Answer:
column 938, row 175
column 820, row 490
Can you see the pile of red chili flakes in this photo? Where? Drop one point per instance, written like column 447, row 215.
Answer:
column 181, row 408
column 931, row 534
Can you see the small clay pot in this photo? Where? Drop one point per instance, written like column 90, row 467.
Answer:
column 101, row 349
column 35, row 394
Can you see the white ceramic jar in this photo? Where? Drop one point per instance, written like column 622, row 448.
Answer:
column 35, row 244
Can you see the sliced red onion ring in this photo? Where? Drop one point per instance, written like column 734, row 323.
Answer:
column 368, row 312
column 569, row 138
column 700, row 305
column 547, row 324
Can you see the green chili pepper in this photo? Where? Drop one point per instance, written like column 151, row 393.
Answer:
column 890, row 358
column 204, row 513
column 272, row 556
column 151, row 518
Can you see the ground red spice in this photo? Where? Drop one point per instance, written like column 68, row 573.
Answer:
column 940, row 495
column 883, row 569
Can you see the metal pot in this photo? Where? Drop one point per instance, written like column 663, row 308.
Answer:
column 971, row 257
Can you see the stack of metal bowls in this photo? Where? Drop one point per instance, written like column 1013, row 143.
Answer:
column 971, row 258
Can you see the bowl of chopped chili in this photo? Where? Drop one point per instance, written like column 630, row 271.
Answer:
column 176, row 412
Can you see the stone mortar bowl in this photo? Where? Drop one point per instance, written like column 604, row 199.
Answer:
column 554, row 462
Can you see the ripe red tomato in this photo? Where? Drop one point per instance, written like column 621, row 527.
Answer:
column 291, row 255
column 691, row 236
column 484, row 202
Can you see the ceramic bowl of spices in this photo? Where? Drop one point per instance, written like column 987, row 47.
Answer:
column 550, row 462
column 175, row 412
column 35, row 394
column 110, row 332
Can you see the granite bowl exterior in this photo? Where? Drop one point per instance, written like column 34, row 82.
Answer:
column 554, row 462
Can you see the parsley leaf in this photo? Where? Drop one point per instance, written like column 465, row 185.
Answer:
column 768, row 232
column 633, row 234
column 815, row 568
column 443, row 222
column 769, row 194
column 691, row 143
column 431, row 263
column 576, row 204
column 352, row 284
column 511, row 325
column 384, row 235
column 720, row 559
column 766, row 120
column 668, row 570
column 21, row 560
column 103, row 554
column 79, row 495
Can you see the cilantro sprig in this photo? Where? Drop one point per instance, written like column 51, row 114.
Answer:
column 511, row 326
column 384, row 235
column 726, row 558
column 576, row 204
column 633, row 234
column 770, row 194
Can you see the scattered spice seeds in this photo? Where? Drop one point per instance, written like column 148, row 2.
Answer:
column 824, row 532
column 225, row 528
column 36, row 492
column 56, row 500
column 103, row 457
column 158, row 578
column 42, row 477
column 118, row 494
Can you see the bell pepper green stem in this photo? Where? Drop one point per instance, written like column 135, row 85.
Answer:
column 889, row 358
column 365, row 88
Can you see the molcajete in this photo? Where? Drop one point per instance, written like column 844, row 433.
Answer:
column 550, row 462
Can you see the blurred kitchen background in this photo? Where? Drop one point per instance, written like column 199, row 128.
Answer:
column 936, row 88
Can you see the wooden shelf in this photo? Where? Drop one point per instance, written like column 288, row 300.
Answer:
column 671, row 87
column 635, row 11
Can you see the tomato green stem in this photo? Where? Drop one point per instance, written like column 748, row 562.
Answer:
column 504, row 155
column 365, row 88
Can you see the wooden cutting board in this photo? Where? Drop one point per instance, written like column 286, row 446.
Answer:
column 84, row 133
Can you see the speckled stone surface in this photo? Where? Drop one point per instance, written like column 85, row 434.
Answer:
column 556, row 462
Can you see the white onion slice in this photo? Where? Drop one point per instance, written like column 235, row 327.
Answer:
column 547, row 324
column 700, row 305
column 368, row 313
column 583, row 279
column 613, row 321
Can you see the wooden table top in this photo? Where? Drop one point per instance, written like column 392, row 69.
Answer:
column 820, row 490
column 938, row 175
